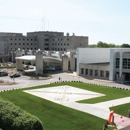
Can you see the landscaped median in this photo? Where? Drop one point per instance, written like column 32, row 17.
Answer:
column 58, row 117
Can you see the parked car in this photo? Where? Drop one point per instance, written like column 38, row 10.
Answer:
column 15, row 75
column 3, row 74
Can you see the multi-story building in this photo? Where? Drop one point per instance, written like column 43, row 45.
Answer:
column 40, row 40
column 58, row 42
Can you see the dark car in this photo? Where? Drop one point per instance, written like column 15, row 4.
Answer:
column 14, row 75
column 3, row 74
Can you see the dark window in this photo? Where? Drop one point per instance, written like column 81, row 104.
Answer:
column 10, row 43
column 35, row 39
column 107, row 74
column 86, row 71
column 19, row 43
column 27, row 39
column 125, row 63
column 67, row 39
column 31, row 39
column 82, row 70
column 55, row 44
column 91, row 72
column 61, row 44
column 46, row 39
column 31, row 43
column 15, row 39
column 27, row 43
column 64, row 44
column 23, row 44
column 102, row 73
column 23, row 39
column 15, row 43
column 64, row 49
column 117, row 62
column 19, row 39
column 35, row 48
column 68, row 44
column 61, row 39
column 46, row 44
column 11, row 39
column 96, row 72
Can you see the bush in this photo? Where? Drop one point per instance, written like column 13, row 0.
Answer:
column 14, row 118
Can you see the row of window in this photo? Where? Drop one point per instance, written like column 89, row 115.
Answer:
column 58, row 49
column 22, row 44
column 23, row 48
column 61, row 44
column 90, row 72
column 60, row 39
column 125, row 63
column 23, row 39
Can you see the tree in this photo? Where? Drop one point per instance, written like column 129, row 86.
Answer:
column 105, row 45
column 125, row 45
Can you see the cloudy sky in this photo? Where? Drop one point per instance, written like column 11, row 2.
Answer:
column 101, row 20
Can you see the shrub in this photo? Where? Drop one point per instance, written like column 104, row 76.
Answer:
column 14, row 118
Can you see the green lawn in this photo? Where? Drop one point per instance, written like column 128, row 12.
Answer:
column 58, row 117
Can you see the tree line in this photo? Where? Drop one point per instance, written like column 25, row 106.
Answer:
column 101, row 44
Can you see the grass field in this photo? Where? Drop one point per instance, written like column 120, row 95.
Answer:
column 58, row 117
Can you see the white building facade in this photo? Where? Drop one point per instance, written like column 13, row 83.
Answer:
column 105, row 63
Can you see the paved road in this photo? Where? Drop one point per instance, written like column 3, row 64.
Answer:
column 25, row 81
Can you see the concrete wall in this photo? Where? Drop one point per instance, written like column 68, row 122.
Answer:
column 92, row 55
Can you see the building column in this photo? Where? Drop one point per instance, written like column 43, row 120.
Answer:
column 99, row 73
column 65, row 63
column 39, row 62
column 93, row 73
column 60, row 54
column 120, row 66
column 112, row 64
column 72, row 61
column 13, row 56
column 49, row 53
column 19, row 65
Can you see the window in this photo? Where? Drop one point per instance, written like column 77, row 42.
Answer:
column 10, row 43
column 61, row 39
column 19, row 39
column 91, row 72
column 124, row 63
column 64, row 49
column 107, row 74
column 31, row 39
column 23, row 44
column 27, row 39
column 58, row 44
column 128, row 63
column 67, row 39
column 46, row 44
column 64, row 44
column 15, row 39
column 31, row 43
column 35, row 39
column 61, row 44
column 23, row 39
column 46, row 39
column 15, row 43
column 101, row 73
column 19, row 43
column 96, row 72
column 55, row 44
column 82, row 70
column 86, row 71
column 27, row 43
column 68, row 44
column 117, row 62
column 61, row 48
column 11, row 39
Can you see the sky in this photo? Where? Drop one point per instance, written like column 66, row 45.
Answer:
column 101, row 20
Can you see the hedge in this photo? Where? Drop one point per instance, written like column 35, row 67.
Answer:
column 14, row 118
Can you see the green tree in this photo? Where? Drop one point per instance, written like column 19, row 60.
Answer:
column 125, row 45
column 105, row 45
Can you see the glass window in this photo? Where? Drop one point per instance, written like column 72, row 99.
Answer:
column 86, row 71
column 102, row 73
column 91, row 72
column 124, row 63
column 96, row 72
column 107, row 74
column 117, row 62
column 82, row 71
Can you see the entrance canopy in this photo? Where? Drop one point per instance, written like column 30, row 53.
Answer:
column 45, row 58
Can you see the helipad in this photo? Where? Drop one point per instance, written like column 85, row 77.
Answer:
column 64, row 94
